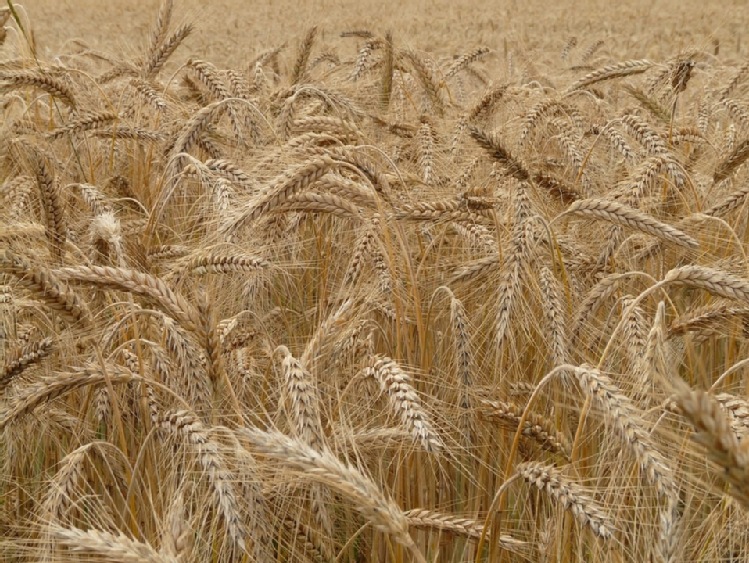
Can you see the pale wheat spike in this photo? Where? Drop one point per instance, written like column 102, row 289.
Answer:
column 210, row 339
column 737, row 110
column 653, row 359
column 731, row 162
column 230, row 171
column 645, row 135
column 590, row 50
column 126, row 132
column 208, row 75
column 714, row 432
column 146, row 285
column 47, row 286
column 404, row 401
column 617, row 70
column 362, row 248
column 464, row 60
column 305, row 48
column 339, row 128
column 190, row 133
column 208, row 453
column 362, row 59
column 52, row 203
column 423, row 518
column 733, row 201
column 464, row 364
column 428, row 79
column 327, row 329
column 648, row 102
column 301, row 389
column 620, row 214
column 158, row 56
column 513, row 267
column 496, row 150
column 8, row 321
column 388, row 58
column 108, row 546
column 736, row 79
column 49, row 389
column 533, row 115
column 487, row 102
column 163, row 19
column 357, row 194
column 568, row 47
column 626, row 419
column 712, row 316
column 282, row 188
column 39, row 79
column 570, row 495
column 536, row 427
column 426, row 149
column 322, row 466
column 309, row 540
column 715, row 281
column 737, row 409
column 311, row 202
column 617, row 140
column 443, row 210
column 85, row 122
column 177, row 538
column 18, row 360
column 567, row 139
column 216, row 262
column 635, row 330
column 668, row 544
column 60, row 492
column 181, row 345
column 555, row 315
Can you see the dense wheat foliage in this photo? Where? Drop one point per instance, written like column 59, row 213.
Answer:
column 349, row 297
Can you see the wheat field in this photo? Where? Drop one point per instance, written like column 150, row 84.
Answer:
column 448, row 282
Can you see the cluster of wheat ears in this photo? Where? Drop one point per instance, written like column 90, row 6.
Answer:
column 371, row 305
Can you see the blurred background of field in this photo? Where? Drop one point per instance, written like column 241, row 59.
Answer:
column 228, row 29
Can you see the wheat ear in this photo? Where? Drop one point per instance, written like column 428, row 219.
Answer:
column 570, row 495
column 323, row 467
column 620, row 214
column 146, row 285
column 625, row 417
column 422, row 518
column 617, row 70
column 109, row 546
column 48, row 390
column 715, row 281
column 209, row 456
column 714, row 432
column 47, row 286
column 404, row 401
